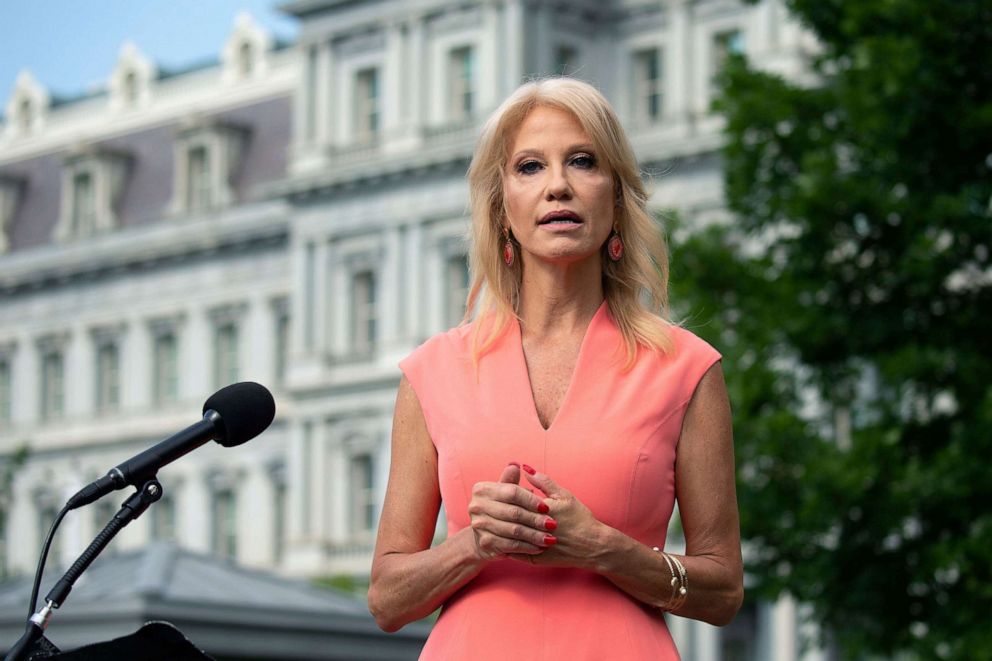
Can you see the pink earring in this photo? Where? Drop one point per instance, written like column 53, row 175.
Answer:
column 508, row 250
column 614, row 247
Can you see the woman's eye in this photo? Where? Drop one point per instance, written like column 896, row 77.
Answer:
column 584, row 161
column 528, row 167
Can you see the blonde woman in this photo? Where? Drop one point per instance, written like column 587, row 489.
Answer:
column 560, row 425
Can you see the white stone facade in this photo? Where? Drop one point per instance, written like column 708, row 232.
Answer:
column 297, row 216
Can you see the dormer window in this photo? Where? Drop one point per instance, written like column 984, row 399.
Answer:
column 208, row 159
column 244, row 55
column 130, row 84
column 130, row 93
column 26, row 107
column 92, row 186
column 24, row 115
column 246, row 60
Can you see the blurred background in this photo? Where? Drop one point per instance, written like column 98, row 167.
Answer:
column 193, row 194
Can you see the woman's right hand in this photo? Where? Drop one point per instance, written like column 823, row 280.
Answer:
column 507, row 518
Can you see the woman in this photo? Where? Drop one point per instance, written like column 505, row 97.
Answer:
column 561, row 425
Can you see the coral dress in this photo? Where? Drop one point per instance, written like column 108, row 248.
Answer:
column 612, row 444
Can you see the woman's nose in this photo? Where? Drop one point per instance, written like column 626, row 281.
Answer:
column 558, row 187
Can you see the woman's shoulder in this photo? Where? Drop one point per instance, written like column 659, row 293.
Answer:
column 687, row 343
column 452, row 343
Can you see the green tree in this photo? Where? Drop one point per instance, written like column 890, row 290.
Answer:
column 851, row 296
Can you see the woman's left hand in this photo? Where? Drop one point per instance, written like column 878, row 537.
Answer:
column 580, row 535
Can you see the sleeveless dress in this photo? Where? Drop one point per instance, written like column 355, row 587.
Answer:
column 612, row 444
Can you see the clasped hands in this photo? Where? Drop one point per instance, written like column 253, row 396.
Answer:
column 509, row 520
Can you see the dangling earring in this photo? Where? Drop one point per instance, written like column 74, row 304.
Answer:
column 614, row 247
column 507, row 248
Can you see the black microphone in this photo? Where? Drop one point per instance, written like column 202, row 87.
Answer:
column 231, row 416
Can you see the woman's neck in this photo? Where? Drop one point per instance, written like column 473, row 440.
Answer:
column 558, row 299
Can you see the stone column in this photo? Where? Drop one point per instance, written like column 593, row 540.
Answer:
column 193, row 508
column 488, row 77
column 419, row 72
column 136, row 366
column 79, row 374
column 679, row 61
column 322, row 302
column 392, row 281
column 515, row 30
column 414, row 277
column 394, row 100
column 299, row 496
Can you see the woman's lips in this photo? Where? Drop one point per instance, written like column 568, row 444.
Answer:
column 561, row 217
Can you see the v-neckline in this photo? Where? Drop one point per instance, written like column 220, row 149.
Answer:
column 522, row 367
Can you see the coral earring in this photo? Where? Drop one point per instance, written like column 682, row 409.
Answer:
column 508, row 253
column 614, row 247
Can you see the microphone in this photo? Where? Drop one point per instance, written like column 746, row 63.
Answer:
column 233, row 415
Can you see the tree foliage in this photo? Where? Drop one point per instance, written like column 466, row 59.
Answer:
column 851, row 296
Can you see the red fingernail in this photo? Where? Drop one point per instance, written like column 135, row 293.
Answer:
column 550, row 524
column 550, row 540
column 543, row 508
column 528, row 469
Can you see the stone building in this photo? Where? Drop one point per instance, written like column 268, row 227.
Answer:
column 296, row 215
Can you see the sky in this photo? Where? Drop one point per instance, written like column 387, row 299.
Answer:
column 72, row 46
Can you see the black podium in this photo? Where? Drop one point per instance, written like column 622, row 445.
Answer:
column 156, row 641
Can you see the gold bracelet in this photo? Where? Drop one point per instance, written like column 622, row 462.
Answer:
column 675, row 580
column 684, row 587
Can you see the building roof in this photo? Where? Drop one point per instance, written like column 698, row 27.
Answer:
column 225, row 609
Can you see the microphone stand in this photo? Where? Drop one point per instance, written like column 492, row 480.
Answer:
column 132, row 508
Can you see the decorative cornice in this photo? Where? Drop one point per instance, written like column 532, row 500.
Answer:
column 141, row 247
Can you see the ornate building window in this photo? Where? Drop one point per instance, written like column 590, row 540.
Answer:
column 363, row 312
column 26, row 108
column 130, row 84
column 51, row 397
column 92, row 186
column 461, row 83
column 225, row 354
column 367, row 113
column 165, row 361
column 647, row 87
column 208, row 159
column 361, row 494
column 223, row 517
column 227, row 344
column 107, row 369
column 243, row 57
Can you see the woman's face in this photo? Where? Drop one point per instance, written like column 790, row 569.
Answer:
column 559, row 199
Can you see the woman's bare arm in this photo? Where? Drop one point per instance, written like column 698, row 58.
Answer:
column 410, row 579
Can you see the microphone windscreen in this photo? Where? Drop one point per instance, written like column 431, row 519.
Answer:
column 246, row 409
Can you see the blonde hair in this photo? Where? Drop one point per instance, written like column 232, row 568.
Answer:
column 642, row 272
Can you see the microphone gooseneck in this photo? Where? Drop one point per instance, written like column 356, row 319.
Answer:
column 231, row 416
